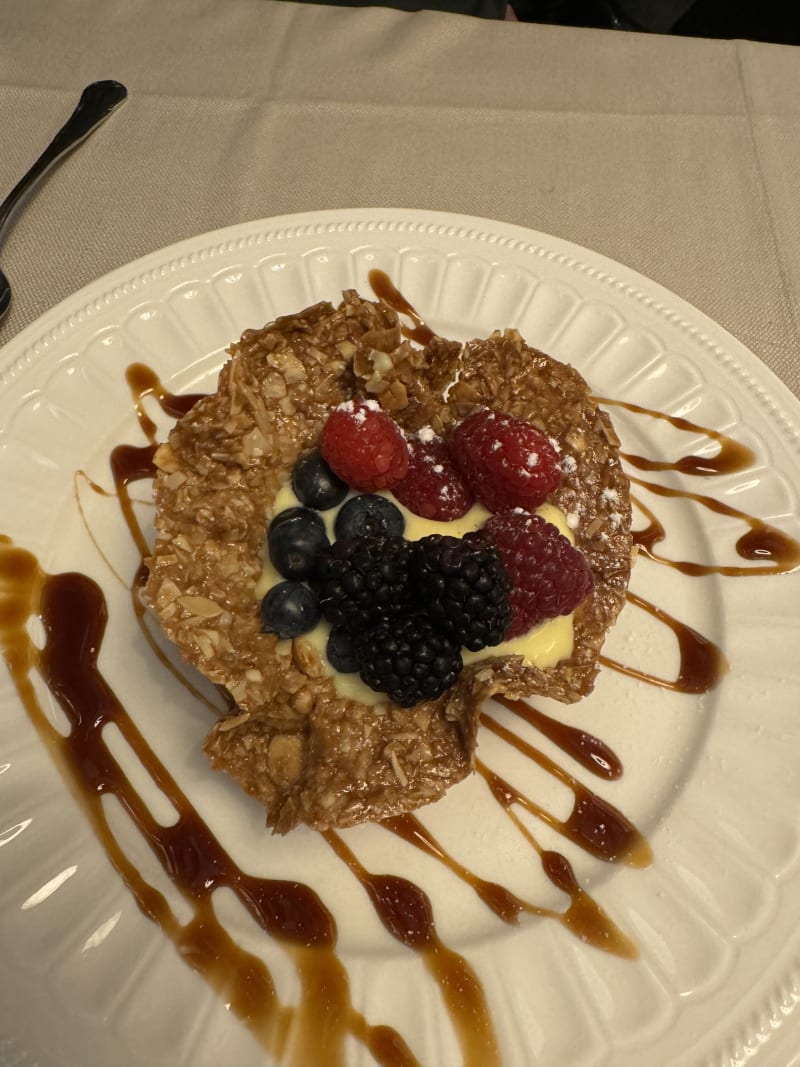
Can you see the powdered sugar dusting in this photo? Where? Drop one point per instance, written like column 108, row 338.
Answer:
column 569, row 464
column 356, row 408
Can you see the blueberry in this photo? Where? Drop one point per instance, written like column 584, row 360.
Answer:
column 315, row 484
column 308, row 514
column 289, row 609
column 369, row 515
column 296, row 540
column 340, row 651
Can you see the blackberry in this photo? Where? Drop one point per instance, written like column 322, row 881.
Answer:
column 466, row 588
column 363, row 580
column 409, row 659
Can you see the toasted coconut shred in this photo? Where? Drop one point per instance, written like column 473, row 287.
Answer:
column 306, row 753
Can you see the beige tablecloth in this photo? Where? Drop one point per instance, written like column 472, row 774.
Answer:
column 678, row 157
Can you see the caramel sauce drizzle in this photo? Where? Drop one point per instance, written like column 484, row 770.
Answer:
column 774, row 552
column 384, row 289
column 73, row 612
column 593, row 754
column 702, row 663
column 505, row 904
column 594, row 824
column 731, row 458
column 143, row 382
column 406, row 912
column 584, row 917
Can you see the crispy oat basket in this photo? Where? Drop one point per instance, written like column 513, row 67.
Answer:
column 306, row 753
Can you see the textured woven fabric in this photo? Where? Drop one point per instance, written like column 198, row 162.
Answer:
column 679, row 157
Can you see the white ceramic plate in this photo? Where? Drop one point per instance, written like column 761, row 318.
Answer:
column 711, row 780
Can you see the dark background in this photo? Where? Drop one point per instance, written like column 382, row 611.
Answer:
column 756, row 20
column 777, row 21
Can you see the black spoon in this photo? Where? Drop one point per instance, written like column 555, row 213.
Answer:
column 97, row 102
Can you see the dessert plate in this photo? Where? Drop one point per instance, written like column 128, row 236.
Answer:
column 508, row 928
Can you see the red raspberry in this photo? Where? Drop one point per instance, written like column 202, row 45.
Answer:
column 549, row 576
column 508, row 462
column 364, row 446
column 433, row 487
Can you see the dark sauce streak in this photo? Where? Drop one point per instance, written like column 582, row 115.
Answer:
column 188, row 851
column 594, row 824
column 592, row 753
column 584, row 917
column 776, row 552
column 144, row 382
column 385, row 290
column 73, row 612
column 406, row 912
column 731, row 458
column 702, row 663
column 505, row 904
column 132, row 463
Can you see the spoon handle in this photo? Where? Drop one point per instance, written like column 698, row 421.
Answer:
column 97, row 102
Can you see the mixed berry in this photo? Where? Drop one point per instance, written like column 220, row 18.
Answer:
column 508, row 462
column 433, row 486
column 401, row 610
column 548, row 575
column 364, row 446
column 296, row 540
